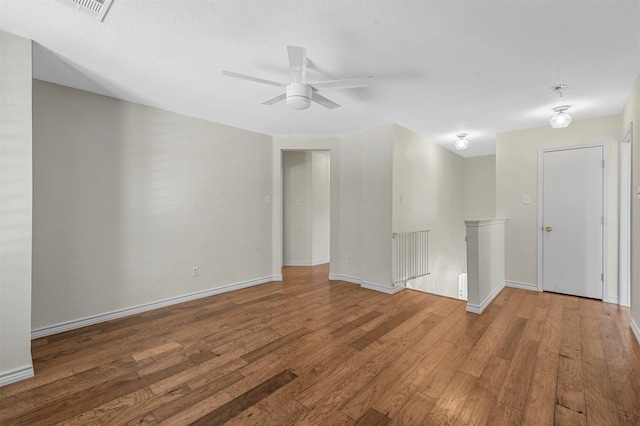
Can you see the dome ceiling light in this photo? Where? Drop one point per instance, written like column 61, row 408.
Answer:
column 561, row 118
column 461, row 143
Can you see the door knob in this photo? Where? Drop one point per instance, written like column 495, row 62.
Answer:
column 548, row 229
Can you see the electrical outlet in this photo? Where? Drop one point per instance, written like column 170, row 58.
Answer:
column 348, row 259
column 195, row 271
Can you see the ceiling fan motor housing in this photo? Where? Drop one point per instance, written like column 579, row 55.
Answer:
column 298, row 95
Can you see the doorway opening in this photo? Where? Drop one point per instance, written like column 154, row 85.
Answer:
column 306, row 208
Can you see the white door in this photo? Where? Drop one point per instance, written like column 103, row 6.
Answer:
column 573, row 221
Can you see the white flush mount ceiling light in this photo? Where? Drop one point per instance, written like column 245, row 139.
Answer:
column 461, row 143
column 561, row 118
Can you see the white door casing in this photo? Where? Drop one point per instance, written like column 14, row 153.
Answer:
column 572, row 221
column 624, row 253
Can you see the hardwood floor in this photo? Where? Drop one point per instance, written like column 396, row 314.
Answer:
column 306, row 351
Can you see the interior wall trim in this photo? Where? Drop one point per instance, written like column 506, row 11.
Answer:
column 371, row 286
column 478, row 309
column 346, row 278
column 636, row 330
column 382, row 288
column 305, row 262
column 522, row 286
column 613, row 299
column 534, row 287
column 15, row 375
column 120, row 313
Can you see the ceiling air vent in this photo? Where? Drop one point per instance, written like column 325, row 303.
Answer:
column 97, row 8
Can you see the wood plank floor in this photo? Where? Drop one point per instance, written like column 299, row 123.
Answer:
column 306, row 351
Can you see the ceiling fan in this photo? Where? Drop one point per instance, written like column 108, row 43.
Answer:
column 299, row 93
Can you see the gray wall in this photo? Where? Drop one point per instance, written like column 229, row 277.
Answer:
column 480, row 187
column 15, row 208
column 366, row 205
column 306, row 207
column 128, row 198
column 321, row 188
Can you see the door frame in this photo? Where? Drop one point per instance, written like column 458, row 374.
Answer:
column 624, row 251
column 605, row 197
column 295, row 143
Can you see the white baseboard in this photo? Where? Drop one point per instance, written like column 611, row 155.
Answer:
column 534, row 287
column 521, row 286
column 296, row 263
column 382, row 288
column 636, row 330
column 15, row 375
column 364, row 284
column 305, row 262
column 612, row 299
column 347, row 278
column 95, row 319
column 478, row 309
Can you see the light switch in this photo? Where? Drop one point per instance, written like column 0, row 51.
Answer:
column 298, row 202
column 526, row 199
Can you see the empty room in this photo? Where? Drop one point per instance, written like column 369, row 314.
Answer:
column 319, row 212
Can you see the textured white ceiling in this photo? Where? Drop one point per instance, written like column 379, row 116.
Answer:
column 440, row 67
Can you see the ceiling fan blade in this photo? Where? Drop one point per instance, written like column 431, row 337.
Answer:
column 276, row 99
column 347, row 83
column 298, row 64
column 317, row 98
column 256, row 79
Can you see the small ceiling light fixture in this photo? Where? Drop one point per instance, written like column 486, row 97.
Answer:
column 461, row 143
column 561, row 118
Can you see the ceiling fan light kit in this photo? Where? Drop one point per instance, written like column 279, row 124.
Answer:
column 299, row 93
column 298, row 96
